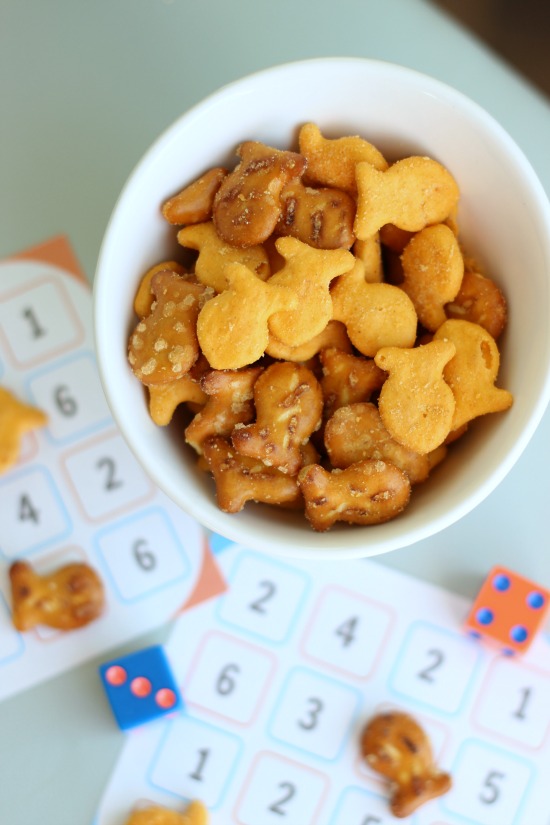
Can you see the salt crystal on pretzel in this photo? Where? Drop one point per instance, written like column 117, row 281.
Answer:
column 215, row 254
column 308, row 273
column 332, row 161
column 289, row 406
column 375, row 314
column 247, row 205
column 195, row 202
column 368, row 492
column 164, row 344
column 411, row 194
column 232, row 328
column 230, row 401
column 433, row 269
column 240, row 478
column 472, row 372
column 416, row 404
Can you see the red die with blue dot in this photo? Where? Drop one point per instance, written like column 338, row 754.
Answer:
column 509, row 610
column 140, row 687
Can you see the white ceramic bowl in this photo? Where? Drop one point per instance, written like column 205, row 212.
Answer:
column 505, row 222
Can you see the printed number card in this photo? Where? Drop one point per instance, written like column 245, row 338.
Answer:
column 281, row 672
column 77, row 493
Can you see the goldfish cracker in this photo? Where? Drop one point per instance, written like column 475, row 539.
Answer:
column 416, row 404
column 16, row 419
column 333, row 335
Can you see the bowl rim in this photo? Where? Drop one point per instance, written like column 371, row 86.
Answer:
column 226, row 524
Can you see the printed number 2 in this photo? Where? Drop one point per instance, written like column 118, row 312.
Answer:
column 437, row 659
column 111, row 480
column 289, row 791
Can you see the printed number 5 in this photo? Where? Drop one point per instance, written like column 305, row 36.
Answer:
column 491, row 791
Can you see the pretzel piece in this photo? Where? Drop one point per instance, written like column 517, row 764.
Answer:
column 289, row 406
column 230, row 401
column 356, row 432
column 322, row 218
column 247, row 205
column 164, row 345
column 347, row 378
column 480, row 301
column 368, row 492
column 144, row 296
column 411, row 194
column 240, row 478
column 394, row 745
column 195, row 202
column 68, row 598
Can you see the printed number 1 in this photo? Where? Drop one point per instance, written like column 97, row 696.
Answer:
column 36, row 330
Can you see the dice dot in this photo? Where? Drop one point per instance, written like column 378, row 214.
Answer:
column 519, row 633
column 165, row 698
column 501, row 582
column 115, row 675
column 140, row 687
column 535, row 600
column 484, row 616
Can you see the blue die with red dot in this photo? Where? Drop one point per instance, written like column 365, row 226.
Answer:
column 140, row 687
column 509, row 610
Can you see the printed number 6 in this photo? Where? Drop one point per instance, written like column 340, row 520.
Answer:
column 226, row 683
column 143, row 555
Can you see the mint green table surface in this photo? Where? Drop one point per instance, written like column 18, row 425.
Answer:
column 84, row 89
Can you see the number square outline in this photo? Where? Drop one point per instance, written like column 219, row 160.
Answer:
column 280, row 694
column 35, row 548
column 71, row 311
column 138, row 516
column 426, row 705
column 313, row 618
column 199, row 722
column 242, row 643
column 84, row 432
column 281, row 758
column 299, row 607
column 496, row 749
column 412, row 819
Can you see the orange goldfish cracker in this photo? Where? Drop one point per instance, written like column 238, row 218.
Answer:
column 368, row 492
column 356, row 432
column 215, row 254
column 370, row 254
column 230, row 402
column 232, row 328
column 247, row 205
column 16, row 419
column 394, row 745
column 432, row 273
column 333, row 335
column 416, row 405
column 144, row 297
column 481, row 301
column 472, row 372
column 411, row 194
column 69, row 597
column 240, row 479
column 194, row 814
column 194, row 204
column 347, row 378
column 332, row 161
column 164, row 345
column 308, row 273
column 322, row 218
column 375, row 315
column 289, row 406
column 165, row 398
column 394, row 238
